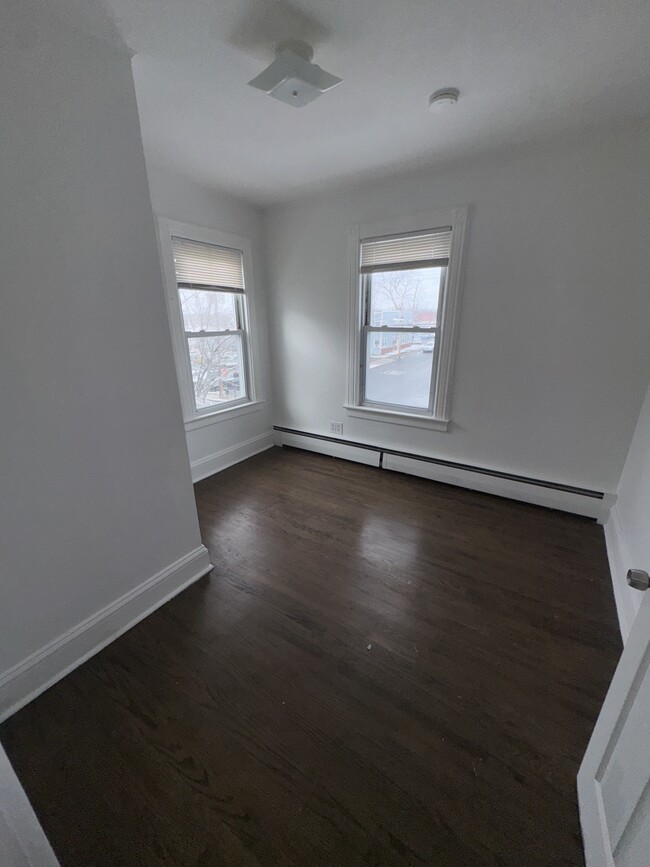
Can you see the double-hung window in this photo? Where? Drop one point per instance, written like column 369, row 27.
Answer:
column 210, row 282
column 208, row 277
column 405, row 309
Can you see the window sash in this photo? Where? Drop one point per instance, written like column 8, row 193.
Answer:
column 399, row 407
column 227, row 333
column 366, row 290
column 240, row 332
column 244, row 370
column 239, row 313
column 415, row 329
column 366, row 328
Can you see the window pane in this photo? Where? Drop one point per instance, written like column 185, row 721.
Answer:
column 217, row 369
column 398, row 368
column 208, row 311
column 405, row 297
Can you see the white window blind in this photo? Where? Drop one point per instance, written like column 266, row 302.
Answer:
column 418, row 250
column 202, row 265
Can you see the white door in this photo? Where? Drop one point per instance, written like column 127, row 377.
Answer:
column 614, row 778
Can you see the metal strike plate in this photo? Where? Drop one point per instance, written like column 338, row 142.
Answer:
column 638, row 579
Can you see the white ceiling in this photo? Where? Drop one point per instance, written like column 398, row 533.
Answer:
column 526, row 69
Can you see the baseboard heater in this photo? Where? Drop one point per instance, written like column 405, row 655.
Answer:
column 555, row 495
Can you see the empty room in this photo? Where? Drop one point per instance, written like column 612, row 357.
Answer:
column 325, row 443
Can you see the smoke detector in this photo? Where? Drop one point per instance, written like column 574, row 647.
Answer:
column 292, row 77
column 443, row 98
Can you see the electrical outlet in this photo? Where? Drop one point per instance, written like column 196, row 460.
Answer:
column 336, row 428
column 332, row 427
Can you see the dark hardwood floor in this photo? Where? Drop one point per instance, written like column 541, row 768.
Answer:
column 381, row 670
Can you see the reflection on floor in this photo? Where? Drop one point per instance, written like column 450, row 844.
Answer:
column 381, row 670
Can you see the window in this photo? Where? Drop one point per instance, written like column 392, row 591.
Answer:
column 406, row 287
column 210, row 319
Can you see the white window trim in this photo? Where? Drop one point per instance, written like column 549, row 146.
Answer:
column 439, row 419
column 191, row 417
column 392, row 416
column 224, row 413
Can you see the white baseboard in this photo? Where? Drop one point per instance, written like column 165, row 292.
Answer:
column 225, row 458
column 528, row 492
column 627, row 599
column 30, row 677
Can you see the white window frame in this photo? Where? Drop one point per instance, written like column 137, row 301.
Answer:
column 253, row 400
column 437, row 417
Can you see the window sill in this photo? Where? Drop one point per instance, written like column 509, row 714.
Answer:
column 404, row 418
column 223, row 414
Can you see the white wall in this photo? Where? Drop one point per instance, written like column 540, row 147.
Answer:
column 553, row 357
column 628, row 529
column 96, row 490
column 215, row 445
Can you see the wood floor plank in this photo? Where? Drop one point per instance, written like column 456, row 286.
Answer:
column 381, row 670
